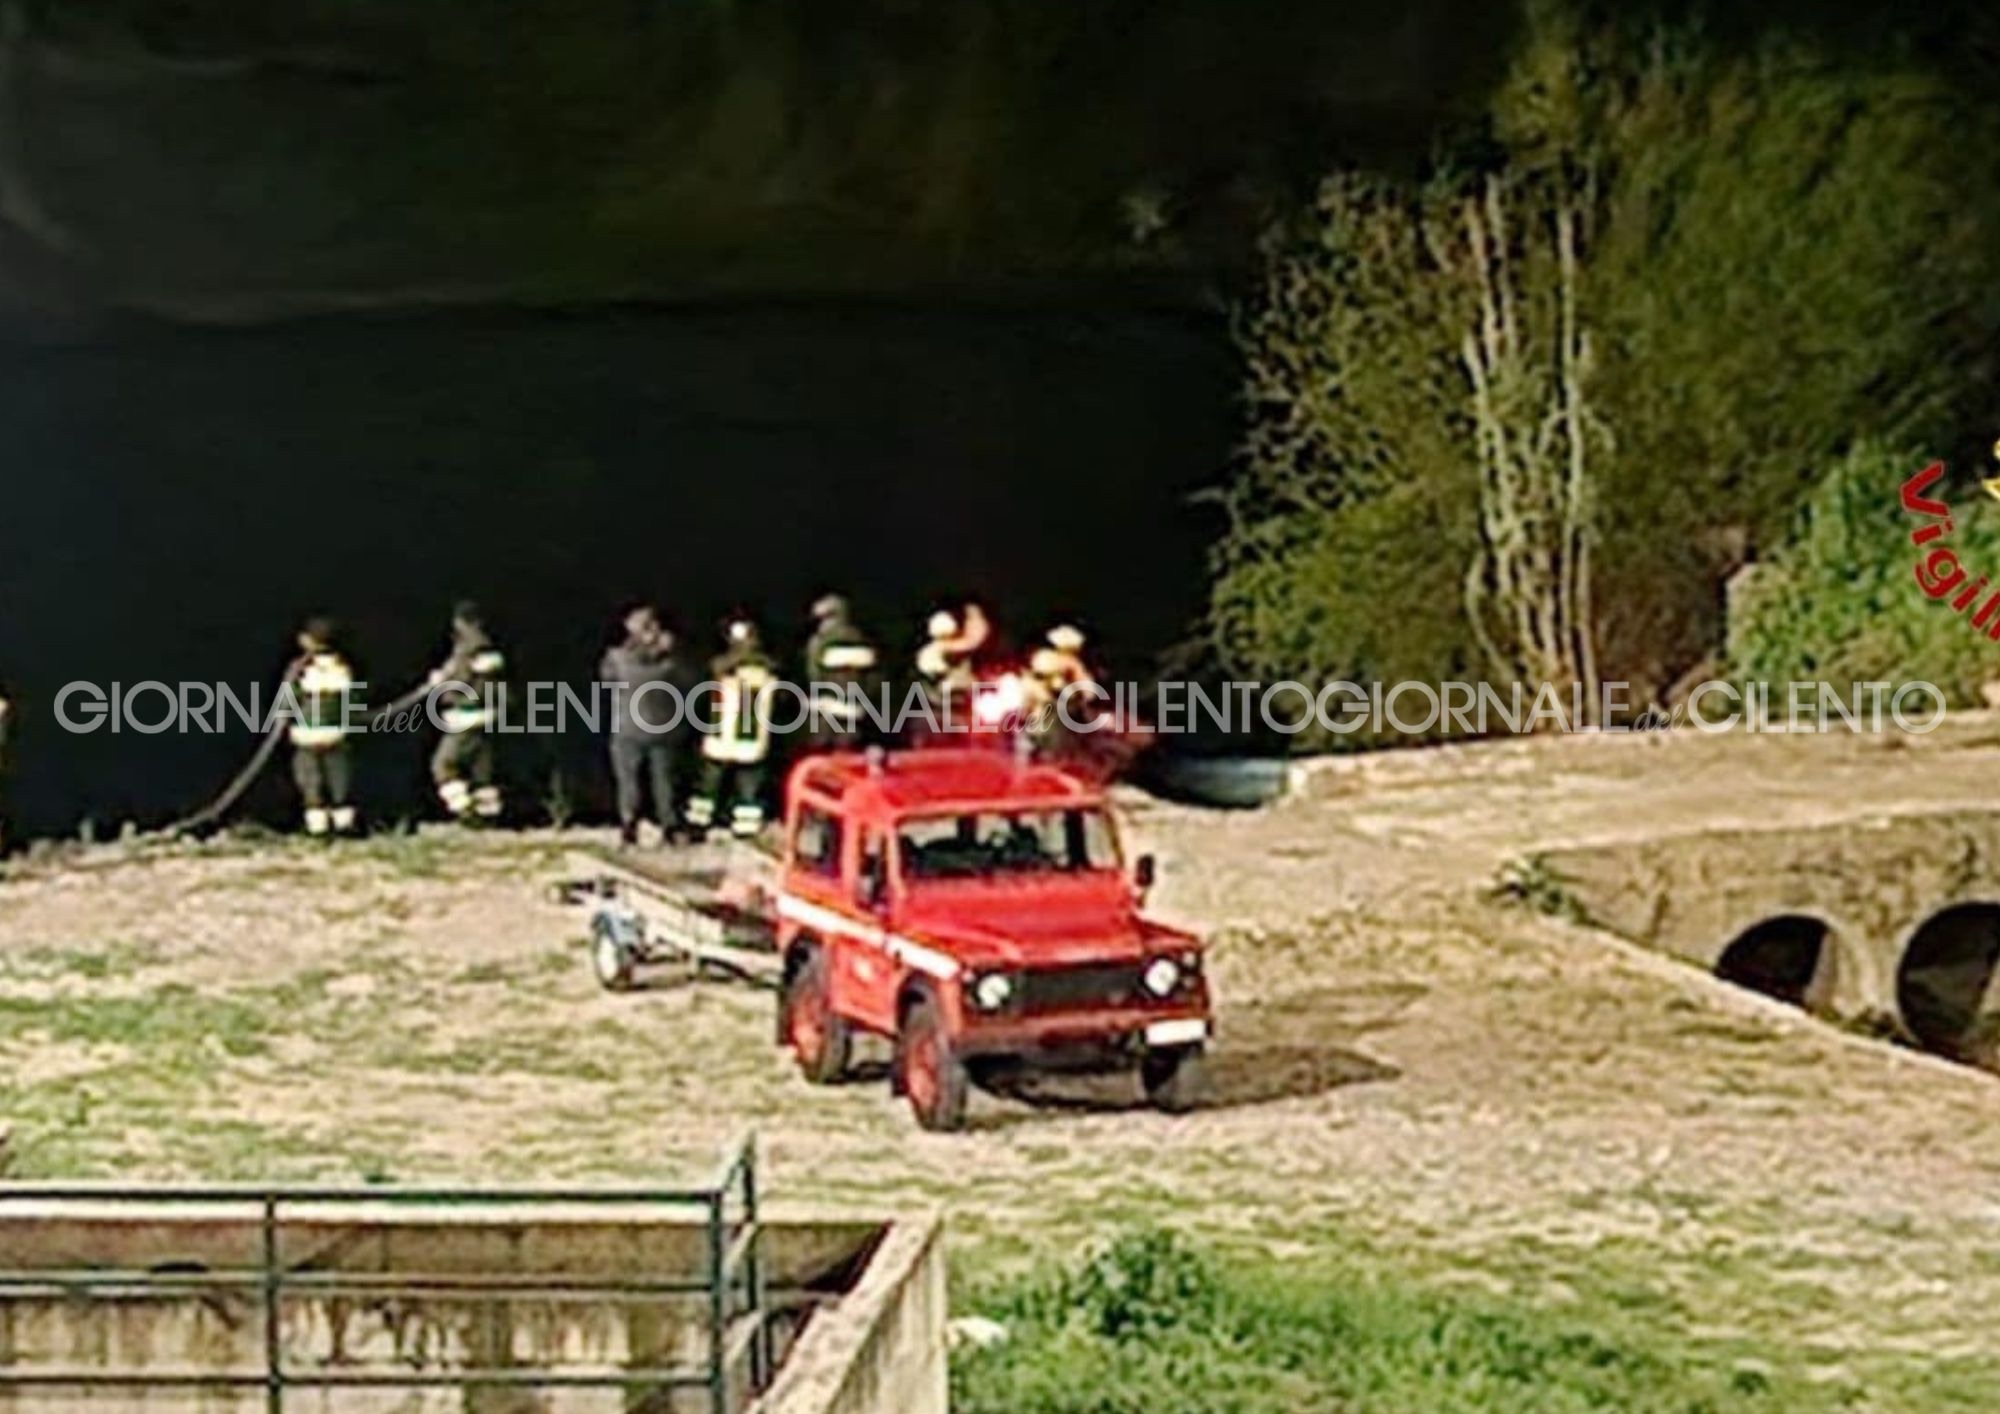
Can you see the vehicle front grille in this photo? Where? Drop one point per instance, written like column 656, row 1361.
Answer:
column 1095, row 984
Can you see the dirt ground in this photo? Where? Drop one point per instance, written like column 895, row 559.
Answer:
column 1406, row 1068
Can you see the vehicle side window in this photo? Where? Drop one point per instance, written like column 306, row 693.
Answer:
column 1090, row 842
column 817, row 845
column 1011, row 842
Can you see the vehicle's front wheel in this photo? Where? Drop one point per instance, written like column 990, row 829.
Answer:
column 929, row 1069
column 610, row 959
column 819, row 1038
column 1176, row 1080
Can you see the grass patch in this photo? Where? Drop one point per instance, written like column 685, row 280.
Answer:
column 553, row 1053
column 1153, row 1324
column 175, row 1023
column 110, row 962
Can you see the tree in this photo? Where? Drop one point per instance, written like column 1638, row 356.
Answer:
column 1527, row 362
column 1347, row 534
column 1691, row 278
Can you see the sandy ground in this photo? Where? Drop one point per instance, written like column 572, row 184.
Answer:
column 1405, row 1066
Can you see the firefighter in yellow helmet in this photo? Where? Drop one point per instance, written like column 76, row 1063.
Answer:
column 736, row 742
column 321, row 684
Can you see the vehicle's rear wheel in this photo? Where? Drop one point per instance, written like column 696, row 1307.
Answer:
column 931, row 1072
column 610, row 958
column 819, row 1038
column 1176, row 1080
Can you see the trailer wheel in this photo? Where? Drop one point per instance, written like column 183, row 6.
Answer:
column 819, row 1037
column 610, row 958
column 930, row 1069
column 1175, row 1080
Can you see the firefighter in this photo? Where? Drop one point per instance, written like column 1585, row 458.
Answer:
column 840, row 667
column 649, row 726
column 737, row 742
column 322, row 767
column 1059, row 665
column 1053, row 669
column 945, row 660
column 464, row 690
column 944, row 663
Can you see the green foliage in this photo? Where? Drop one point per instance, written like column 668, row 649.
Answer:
column 1350, row 349
column 1782, row 252
column 1348, row 534
column 1152, row 1326
column 1839, row 602
column 1369, row 590
column 1531, row 883
column 1794, row 256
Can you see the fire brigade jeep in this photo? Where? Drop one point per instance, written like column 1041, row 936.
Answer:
column 975, row 909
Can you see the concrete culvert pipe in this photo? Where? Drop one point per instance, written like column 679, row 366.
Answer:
column 1945, row 983
column 1788, row 957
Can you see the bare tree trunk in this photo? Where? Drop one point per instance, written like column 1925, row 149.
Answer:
column 1527, row 359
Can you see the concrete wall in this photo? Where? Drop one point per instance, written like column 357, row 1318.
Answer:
column 1873, row 882
column 808, row 1265
column 880, row 1349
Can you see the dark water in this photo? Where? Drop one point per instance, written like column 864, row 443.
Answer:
column 175, row 502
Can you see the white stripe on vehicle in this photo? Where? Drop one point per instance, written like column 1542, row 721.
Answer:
column 922, row 958
column 905, row 950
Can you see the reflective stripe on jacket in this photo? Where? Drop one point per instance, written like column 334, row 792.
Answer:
column 321, row 691
column 477, row 665
column 741, row 731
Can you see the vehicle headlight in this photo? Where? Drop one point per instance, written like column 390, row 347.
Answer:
column 1162, row 975
column 992, row 991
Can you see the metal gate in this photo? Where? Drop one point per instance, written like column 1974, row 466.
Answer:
column 729, row 1292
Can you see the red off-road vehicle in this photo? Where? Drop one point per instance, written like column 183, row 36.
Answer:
column 975, row 909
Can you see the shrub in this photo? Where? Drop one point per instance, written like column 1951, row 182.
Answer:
column 1153, row 1325
column 1839, row 602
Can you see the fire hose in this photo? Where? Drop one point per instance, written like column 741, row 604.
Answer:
column 243, row 779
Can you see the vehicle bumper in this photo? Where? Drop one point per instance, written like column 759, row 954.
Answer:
column 1133, row 1029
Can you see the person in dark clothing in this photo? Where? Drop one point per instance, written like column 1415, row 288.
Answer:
column 840, row 665
column 649, row 724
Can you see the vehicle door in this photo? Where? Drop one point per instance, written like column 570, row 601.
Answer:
column 867, row 979
column 816, row 880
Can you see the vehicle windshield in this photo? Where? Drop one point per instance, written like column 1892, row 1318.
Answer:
column 1000, row 843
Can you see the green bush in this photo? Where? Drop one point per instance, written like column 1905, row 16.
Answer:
column 1839, row 601
column 1153, row 1326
